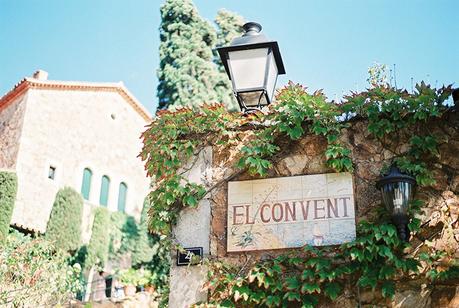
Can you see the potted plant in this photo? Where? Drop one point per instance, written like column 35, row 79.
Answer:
column 149, row 279
column 144, row 278
column 129, row 278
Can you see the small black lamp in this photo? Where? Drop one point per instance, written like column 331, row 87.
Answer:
column 397, row 192
column 456, row 96
column 252, row 63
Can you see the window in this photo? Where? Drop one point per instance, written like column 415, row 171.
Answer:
column 86, row 185
column 51, row 172
column 122, row 197
column 104, row 190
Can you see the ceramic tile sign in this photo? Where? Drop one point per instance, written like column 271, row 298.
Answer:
column 289, row 212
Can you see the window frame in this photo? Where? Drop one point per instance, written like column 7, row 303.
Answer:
column 83, row 182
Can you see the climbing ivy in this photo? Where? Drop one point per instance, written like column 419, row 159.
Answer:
column 390, row 110
column 376, row 259
column 170, row 141
column 296, row 114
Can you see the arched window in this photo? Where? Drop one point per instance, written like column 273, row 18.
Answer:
column 86, row 185
column 104, row 186
column 122, row 197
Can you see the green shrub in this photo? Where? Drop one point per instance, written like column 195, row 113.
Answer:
column 124, row 235
column 155, row 258
column 64, row 224
column 97, row 253
column 8, row 189
column 117, row 221
column 34, row 274
column 127, row 236
column 144, row 248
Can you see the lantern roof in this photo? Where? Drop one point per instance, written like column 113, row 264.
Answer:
column 252, row 39
column 395, row 176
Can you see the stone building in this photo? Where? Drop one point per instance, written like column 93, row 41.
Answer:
column 70, row 133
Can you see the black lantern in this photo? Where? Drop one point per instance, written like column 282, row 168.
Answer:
column 252, row 63
column 456, row 96
column 397, row 193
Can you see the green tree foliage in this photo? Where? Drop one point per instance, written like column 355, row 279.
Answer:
column 34, row 274
column 8, row 189
column 97, row 251
column 186, row 73
column 146, row 250
column 143, row 251
column 229, row 26
column 190, row 73
column 64, row 224
column 129, row 237
column 124, row 234
column 157, row 257
column 117, row 221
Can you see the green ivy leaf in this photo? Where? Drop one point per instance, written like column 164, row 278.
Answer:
column 292, row 283
column 307, row 275
column 292, row 297
column 332, row 290
column 241, row 292
column 273, row 301
column 296, row 132
column 388, row 289
column 310, row 288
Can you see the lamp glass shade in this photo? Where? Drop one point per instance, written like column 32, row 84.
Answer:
column 248, row 68
column 397, row 197
column 253, row 98
column 271, row 77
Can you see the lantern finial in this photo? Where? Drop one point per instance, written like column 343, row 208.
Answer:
column 251, row 28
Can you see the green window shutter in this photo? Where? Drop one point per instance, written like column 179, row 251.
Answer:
column 86, row 185
column 104, row 190
column 122, row 197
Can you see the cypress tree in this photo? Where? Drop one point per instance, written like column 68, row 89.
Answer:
column 229, row 26
column 8, row 189
column 186, row 73
column 100, row 238
column 144, row 249
column 64, row 224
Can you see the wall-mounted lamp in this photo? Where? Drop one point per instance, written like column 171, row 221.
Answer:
column 456, row 96
column 397, row 192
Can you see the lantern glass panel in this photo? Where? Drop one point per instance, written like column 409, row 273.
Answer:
column 253, row 98
column 248, row 68
column 272, row 77
column 396, row 197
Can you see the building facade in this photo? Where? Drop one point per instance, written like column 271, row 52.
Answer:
column 78, row 134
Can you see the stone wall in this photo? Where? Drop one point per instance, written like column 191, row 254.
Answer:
column 11, row 120
column 369, row 155
column 192, row 230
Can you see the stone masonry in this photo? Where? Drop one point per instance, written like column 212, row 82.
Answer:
column 306, row 156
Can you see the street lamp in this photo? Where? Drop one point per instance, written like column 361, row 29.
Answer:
column 397, row 193
column 252, row 63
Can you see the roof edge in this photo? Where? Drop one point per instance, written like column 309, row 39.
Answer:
column 33, row 83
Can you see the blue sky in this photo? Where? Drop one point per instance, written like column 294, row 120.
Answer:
column 325, row 44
